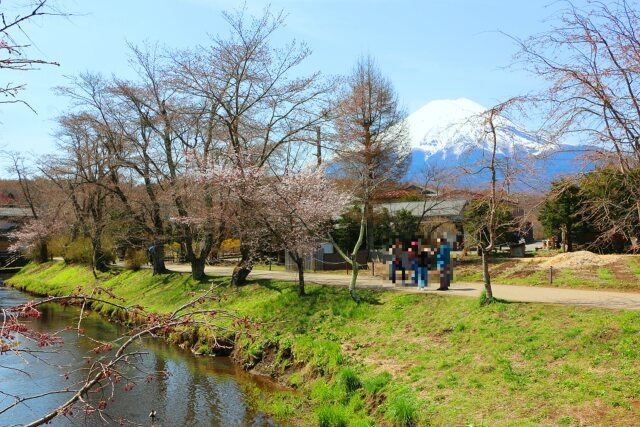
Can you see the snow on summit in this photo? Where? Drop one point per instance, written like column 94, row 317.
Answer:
column 452, row 126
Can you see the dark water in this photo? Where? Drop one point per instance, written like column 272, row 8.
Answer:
column 200, row 391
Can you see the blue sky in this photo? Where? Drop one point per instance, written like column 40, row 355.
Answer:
column 430, row 49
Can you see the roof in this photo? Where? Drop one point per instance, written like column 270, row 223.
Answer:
column 14, row 212
column 448, row 208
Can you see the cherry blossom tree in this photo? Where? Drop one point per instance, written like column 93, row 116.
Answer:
column 252, row 101
column 297, row 213
column 45, row 204
column 270, row 212
column 34, row 235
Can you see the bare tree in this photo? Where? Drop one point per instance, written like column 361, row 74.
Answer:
column 83, row 169
column 490, row 215
column 437, row 185
column 591, row 60
column 372, row 144
column 14, row 51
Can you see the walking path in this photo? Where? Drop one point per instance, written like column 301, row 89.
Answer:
column 578, row 297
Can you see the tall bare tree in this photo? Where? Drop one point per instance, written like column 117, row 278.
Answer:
column 490, row 215
column 94, row 100
column 372, row 144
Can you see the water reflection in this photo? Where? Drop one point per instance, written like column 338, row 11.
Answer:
column 200, row 391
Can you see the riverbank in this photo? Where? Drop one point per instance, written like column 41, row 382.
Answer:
column 213, row 385
column 408, row 359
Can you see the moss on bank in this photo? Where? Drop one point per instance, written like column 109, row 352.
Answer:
column 407, row 359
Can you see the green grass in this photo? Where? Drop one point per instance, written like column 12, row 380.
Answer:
column 349, row 380
column 413, row 359
column 605, row 274
column 273, row 267
column 634, row 266
column 402, row 409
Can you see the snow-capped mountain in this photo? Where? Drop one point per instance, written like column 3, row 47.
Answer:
column 452, row 133
column 456, row 125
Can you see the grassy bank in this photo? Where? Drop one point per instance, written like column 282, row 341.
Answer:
column 400, row 359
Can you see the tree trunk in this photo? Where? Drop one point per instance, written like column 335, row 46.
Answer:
column 370, row 243
column 200, row 259
column 569, row 239
column 43, row 252
column 99, row 262
column 157, row 259
column 239, row 275
column 354, row 278
column 242, row 270
column 197, row 268
column 300, row 264
column 486, row 277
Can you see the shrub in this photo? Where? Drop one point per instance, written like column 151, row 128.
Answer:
column 134, row 259
column 78, row 251
column 375, row 384
column 349, row 380
column 325, row 392
column 332, row 416
column 57, row 245
column 204, row 350
column 401, row 409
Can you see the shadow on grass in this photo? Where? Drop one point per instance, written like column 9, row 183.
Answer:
column 370, row 298
column 482, row 301
column 268, row 283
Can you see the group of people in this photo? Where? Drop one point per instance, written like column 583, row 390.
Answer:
column 417, row 260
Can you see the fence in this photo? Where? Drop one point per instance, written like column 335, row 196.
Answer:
column 320, row 261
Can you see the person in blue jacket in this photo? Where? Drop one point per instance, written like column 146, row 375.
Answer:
column 443, row 262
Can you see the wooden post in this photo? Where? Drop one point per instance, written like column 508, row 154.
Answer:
column 551, row 275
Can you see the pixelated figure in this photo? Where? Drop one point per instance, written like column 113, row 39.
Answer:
column 444, row 264
column 397, row 255
column 412, row 260
column 422, row 268
column 415, row 263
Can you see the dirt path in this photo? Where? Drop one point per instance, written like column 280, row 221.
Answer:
column 586, row 298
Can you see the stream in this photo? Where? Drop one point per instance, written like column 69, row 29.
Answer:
column 199, row 391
